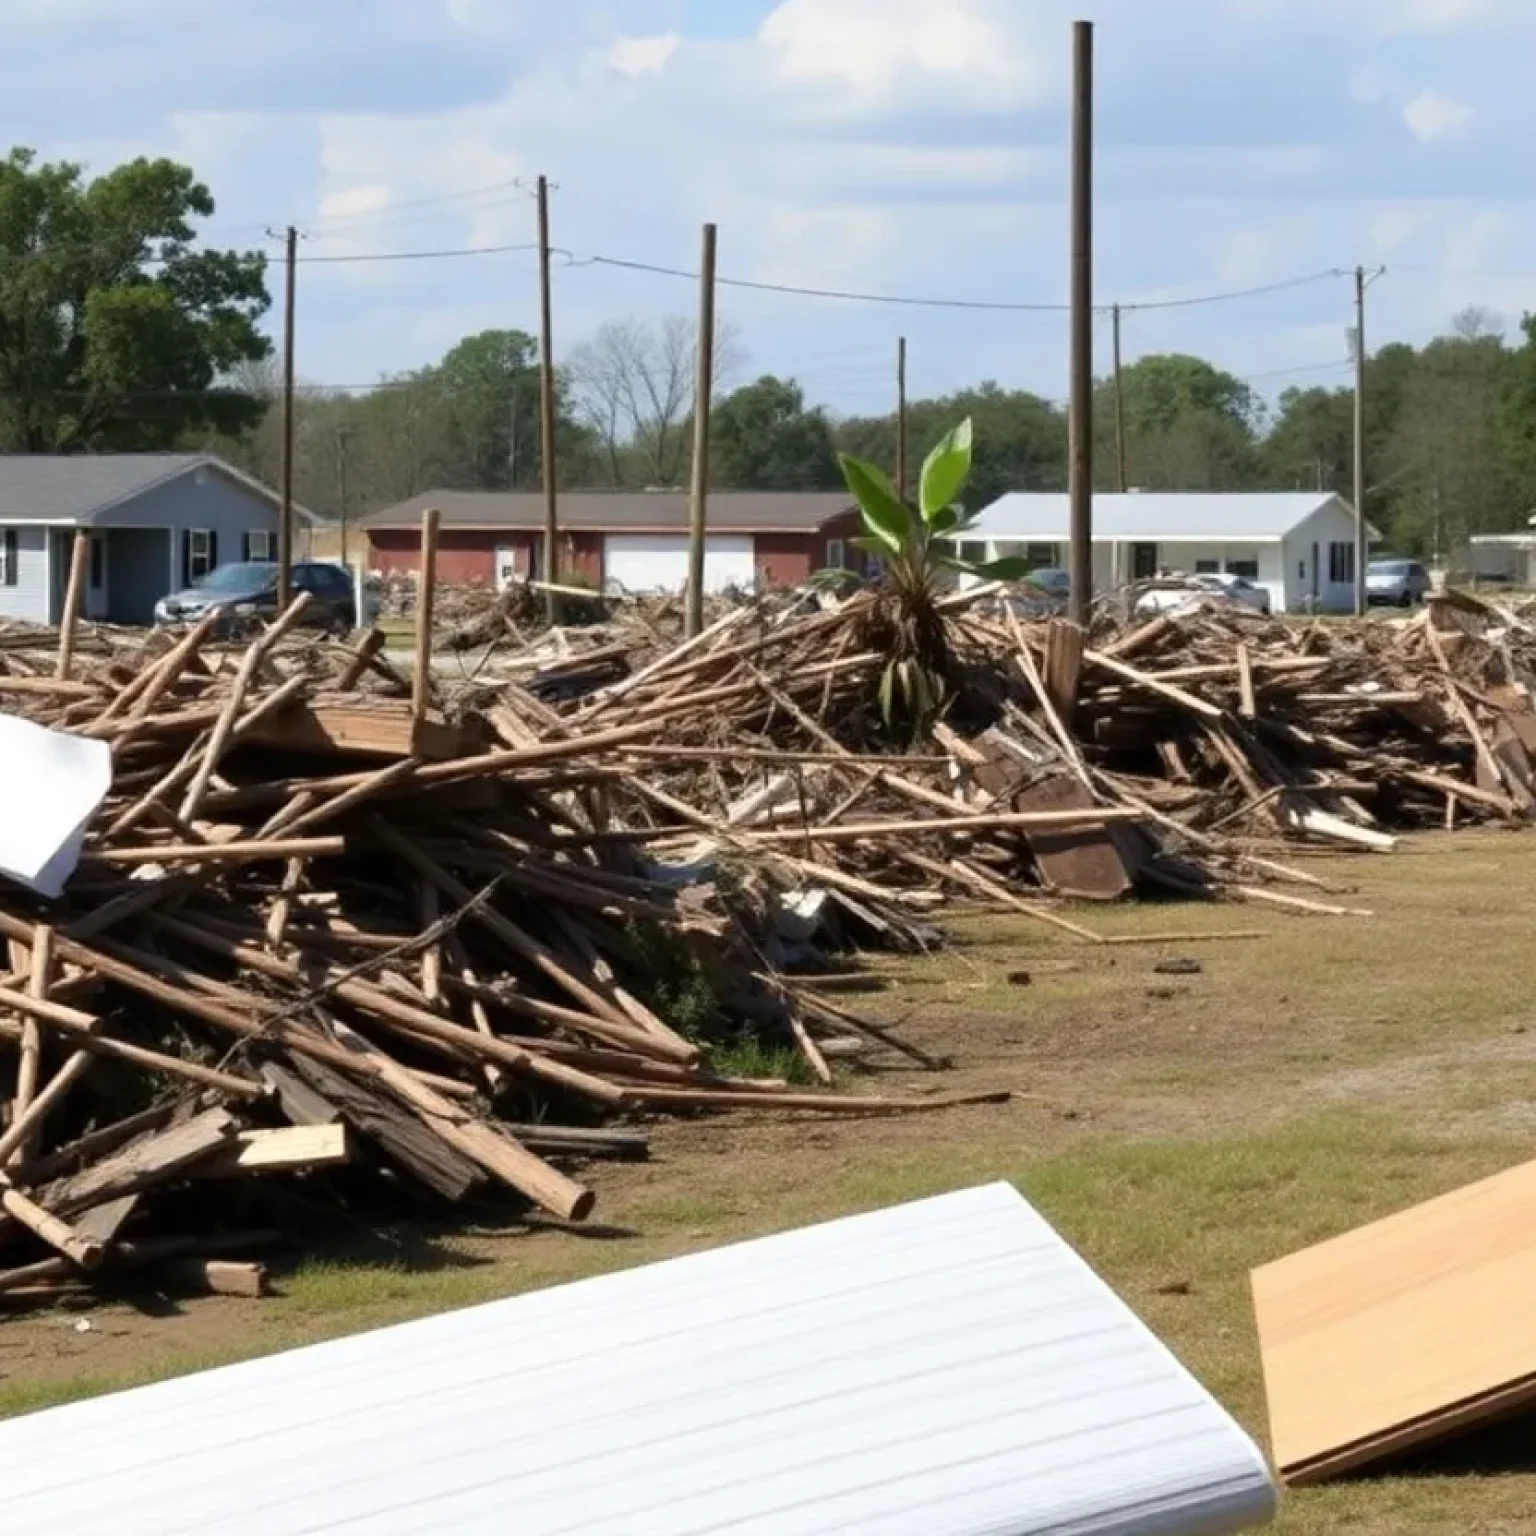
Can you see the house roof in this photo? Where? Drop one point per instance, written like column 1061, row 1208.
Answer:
column 620, row 511
column 1263, row 517
column 77, row 487
column 945, row 1368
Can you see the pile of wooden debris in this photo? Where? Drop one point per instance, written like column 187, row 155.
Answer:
column 440, row 927
column 322, row 920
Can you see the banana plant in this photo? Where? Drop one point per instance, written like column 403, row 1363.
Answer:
column 918, row 550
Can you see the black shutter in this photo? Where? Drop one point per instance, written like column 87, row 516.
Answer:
column 12, row 557
column 245, row 547
column 186, row 557
column 213, row 548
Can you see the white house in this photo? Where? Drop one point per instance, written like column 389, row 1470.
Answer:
column 1299, row 546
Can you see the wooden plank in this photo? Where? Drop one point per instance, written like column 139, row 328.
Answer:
column 143, row 1163
column 291, row 1149
column 376, row 728
column 1402, row 1331
column 300, row 1102
column 1064, row 647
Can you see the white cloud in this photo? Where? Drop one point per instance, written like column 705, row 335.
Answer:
column 1432, row 116
column 1392, row 228
column 349, row 202
column 635, row 56
column 886, row 51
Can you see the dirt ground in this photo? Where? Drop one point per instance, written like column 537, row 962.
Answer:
column 1178, row 1128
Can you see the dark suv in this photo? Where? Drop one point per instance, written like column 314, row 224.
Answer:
column 247, row 591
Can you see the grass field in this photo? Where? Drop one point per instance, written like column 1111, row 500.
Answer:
column 1178, row 1129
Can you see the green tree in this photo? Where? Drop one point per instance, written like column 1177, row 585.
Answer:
column 114, row 329
column 763, row 438
column 1021, row 439
column 1311, row 444
column 1189, row 426
column 489, row 386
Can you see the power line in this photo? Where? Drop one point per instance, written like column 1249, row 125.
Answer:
column 366, row 256
column 991, row 305
column 517, row 184
column 844, row 295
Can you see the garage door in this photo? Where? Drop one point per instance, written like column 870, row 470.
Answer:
column 658, row 562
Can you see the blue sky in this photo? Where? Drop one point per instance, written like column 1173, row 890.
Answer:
column 911, row 147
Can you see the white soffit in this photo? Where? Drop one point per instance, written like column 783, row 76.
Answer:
column 945, row 1368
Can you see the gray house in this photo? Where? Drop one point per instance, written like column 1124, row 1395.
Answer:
column 157, row 522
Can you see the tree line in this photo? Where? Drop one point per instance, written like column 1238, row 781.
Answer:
column 119, row 332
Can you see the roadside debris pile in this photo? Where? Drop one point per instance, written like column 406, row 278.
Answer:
column 444, row 926
column 322, row 920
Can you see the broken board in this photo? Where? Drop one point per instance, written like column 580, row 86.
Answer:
column 1402, row 1332
column 1083, row 863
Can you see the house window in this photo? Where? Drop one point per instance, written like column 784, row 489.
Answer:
column 1143, row 561
column 836, row 555
column 10, row 558
column 1341, row 564
column 1040, row 555
column 1207, row 567
column 258, row 544
column 1247, row 569
column 974, row 551
column 199, row 553
column 98, row 561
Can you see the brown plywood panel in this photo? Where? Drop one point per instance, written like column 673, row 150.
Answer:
column 1081, row 862
column 1401, row 1331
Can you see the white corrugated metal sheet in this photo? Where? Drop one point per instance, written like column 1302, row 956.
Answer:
column 1152, row 516
column 946, row 1368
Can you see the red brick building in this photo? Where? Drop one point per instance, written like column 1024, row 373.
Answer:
column 634, row 539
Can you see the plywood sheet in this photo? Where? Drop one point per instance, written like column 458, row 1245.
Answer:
column 1401, row 1332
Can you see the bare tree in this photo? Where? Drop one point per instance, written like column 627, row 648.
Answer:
column 1477, row 323
column 634, row 386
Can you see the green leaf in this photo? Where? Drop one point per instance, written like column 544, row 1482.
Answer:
column 949, row 520
column 884, row 515
column 944, row 471
column 887, row 686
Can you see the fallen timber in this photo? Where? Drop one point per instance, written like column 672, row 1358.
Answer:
column 333, row 925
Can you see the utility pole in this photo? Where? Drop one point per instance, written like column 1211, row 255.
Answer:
column 547, row 415
column 698, row 499
column 901, row 417
column 1122, row 479
column 1080, row 420
column 343, row 436
column 1363, row 280
column 285, row 510
column 512, row 439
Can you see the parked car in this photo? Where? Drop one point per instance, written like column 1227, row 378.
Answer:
column 246, row 591
column 1402, row 583
column 1051, row 580
column 1172, row 593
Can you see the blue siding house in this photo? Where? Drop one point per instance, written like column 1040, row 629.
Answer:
column 157, row 522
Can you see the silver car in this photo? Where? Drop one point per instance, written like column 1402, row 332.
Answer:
column 1401, row 583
